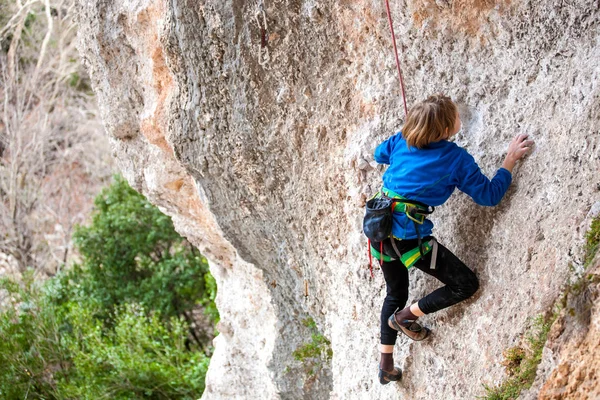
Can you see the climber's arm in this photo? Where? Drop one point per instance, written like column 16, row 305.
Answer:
column 384, row 150
column 473, row 182
column 487, row 192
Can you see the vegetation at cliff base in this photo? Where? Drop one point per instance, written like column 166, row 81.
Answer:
column 521, row 362
column 116, row 326
column 132, row 253
column 592, row 241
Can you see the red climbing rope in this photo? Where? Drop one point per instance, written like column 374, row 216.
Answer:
column 370, row 260
column 389, row 14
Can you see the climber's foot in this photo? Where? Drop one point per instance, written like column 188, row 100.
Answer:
column 409, row 327
column 386, row 377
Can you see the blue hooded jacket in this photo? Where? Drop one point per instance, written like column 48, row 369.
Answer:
column 431, row 174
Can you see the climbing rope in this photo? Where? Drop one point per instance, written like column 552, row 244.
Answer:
column 389, row 14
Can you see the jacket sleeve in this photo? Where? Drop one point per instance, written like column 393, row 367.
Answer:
column 474, row 183
column 384, row 150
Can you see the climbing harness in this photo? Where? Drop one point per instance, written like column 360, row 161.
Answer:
column 377, row 226
column 410, row 257
column 414, row 210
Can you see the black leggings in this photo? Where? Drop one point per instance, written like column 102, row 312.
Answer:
column 461, row 283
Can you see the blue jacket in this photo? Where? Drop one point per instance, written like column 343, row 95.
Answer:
column 430, row 175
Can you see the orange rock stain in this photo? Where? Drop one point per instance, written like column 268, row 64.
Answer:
column 467, row 16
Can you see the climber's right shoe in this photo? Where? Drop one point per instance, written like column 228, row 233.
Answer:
column 410, row 328
column 387, row 377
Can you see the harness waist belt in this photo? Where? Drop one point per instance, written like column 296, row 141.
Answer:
column 412, row 256
column 414, row 210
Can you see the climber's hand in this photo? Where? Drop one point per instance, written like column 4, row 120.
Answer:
column 517, row 148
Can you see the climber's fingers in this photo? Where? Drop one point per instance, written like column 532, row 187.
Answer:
column 527, row 143
column 521, row 138
column 519, row 146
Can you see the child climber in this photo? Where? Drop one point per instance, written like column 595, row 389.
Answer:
column 424, row 167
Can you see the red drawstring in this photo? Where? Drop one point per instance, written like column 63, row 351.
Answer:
column 389, row 14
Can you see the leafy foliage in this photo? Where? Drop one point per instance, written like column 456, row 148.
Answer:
column 50, row 351
column 113, row 327
column 30, row 340
column 141, row 357
column 132, row 253
column 522, row 363
column 316, row 352
column 592, row 241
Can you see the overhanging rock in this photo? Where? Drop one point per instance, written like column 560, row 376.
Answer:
column 253, row 125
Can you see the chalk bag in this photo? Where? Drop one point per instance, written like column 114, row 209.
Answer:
column 377, row 224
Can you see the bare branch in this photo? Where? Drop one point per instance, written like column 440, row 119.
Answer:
column 51, row 140
column 14, row 43
column 13, row 21
column 44, row 43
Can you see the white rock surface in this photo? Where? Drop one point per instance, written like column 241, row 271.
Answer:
column 253, row 125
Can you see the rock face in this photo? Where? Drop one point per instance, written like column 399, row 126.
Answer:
column 253, row 124
column 575, row 346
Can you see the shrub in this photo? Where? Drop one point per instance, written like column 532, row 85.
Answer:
column 32, row 358
column 132, row 253
column 316, row 352
column 50, row 351
column 521, row 364
column 114, row 326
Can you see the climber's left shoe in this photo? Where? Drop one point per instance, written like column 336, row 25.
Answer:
column 410, row 328
column 387, row 377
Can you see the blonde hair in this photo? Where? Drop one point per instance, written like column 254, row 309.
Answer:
column 429, row 121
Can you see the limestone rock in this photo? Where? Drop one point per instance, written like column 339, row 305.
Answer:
column 576, row 373
column 247, row 123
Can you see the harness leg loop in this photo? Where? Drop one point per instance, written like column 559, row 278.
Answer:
column 434, row 249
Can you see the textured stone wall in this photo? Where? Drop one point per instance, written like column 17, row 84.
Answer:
column 573, row 349
column 253, row 124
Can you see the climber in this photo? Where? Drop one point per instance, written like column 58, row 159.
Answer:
column 424, row 166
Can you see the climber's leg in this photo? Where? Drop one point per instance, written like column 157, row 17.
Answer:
column 404, row 320
column 396, row 280
column 387, row 371
column 461, row 282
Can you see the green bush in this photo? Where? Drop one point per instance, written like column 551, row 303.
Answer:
column 522, row 365
column 142, row 357
column 592, row 241
column 114, row 326
column 50, row 351
column 315, row 353
column 132, row 253
column 32, row 358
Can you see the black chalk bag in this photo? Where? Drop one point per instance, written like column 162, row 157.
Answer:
column 377, row 224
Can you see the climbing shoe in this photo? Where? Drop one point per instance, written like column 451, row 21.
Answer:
column 409, row 327
column 387, row 377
